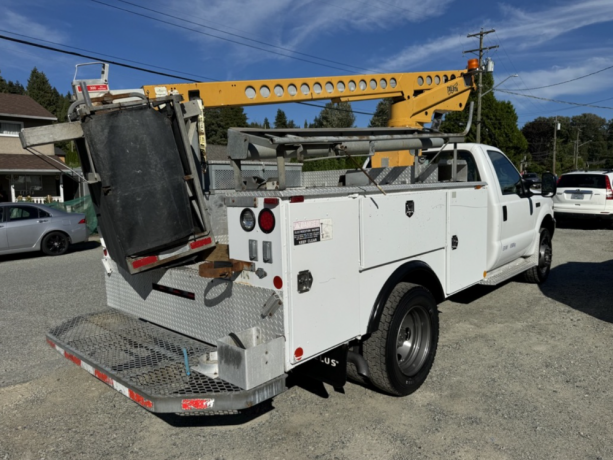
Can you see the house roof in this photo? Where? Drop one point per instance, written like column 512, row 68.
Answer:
column 32, row 163
column 16, row 105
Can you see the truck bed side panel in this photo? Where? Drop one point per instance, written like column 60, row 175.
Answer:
column 400, row 226
column 219, row 306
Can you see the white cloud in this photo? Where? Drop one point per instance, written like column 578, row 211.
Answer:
column 295, row 25
column 11, row 21
column 520, row 29
column 21, row 57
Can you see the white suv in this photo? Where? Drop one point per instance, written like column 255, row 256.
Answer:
column 585, row 194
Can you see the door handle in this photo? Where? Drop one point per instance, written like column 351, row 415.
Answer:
column 43, row 220
column 504, row 213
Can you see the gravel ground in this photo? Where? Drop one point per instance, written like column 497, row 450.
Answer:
column 522, row 372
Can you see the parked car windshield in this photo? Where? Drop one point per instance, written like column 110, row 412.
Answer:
column 583, row 180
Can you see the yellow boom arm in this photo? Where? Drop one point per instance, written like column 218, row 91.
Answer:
column 416, row 95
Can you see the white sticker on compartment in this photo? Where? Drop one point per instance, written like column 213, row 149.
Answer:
column 312, row 231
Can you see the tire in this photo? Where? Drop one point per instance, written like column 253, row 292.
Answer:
column 540, row 273
column 399, row 366
column 55, row 244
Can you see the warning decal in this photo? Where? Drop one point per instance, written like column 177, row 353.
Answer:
column 312, row 231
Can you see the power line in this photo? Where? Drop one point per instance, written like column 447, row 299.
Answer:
column 237, row 35
column 563, row 82
column 335, row 108
column 218, row 37
column 513, row 64
column 107, row 55
column 96, row 58
column 567, row 108
column 72, row 53
column 555, row 100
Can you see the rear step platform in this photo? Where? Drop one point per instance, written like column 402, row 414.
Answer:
column 147, row 363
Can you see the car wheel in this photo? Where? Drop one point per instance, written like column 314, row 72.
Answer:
column 540, row 273
column 401, row 352
column 55, row 244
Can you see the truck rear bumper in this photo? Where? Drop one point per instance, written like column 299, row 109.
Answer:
column 152, row 365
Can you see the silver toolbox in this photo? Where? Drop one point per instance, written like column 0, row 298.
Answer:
column 253, row 365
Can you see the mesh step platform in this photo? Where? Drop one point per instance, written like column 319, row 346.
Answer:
column 146, row 363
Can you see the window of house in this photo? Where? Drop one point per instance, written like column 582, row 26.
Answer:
column 27, row 185
column 10, row 128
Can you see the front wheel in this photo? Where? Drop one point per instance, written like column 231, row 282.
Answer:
column 55, row 244
column 540, row 273
column 401, row 352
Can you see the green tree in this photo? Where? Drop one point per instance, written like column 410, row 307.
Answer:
column 266, row 123
column 219, row 119
column 11, row 87
column 280, row 119
column 335, row 115
column 590, row 138
column 41, row 91
column 382, row 115
column 498, row 124
column 591, row 131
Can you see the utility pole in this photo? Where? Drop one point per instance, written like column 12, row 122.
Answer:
column 555, row 135
column 577, row 148
column 480, row 85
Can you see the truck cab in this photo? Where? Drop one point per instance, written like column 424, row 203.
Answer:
column 515, row 213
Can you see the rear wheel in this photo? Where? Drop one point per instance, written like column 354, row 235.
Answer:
column 540, row 273
column 55, row 244
column 401, row 352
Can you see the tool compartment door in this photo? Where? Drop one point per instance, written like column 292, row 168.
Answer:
column 467, row 238
column 323, row 240
column 400, row 226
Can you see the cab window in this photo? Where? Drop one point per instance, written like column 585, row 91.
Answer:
column 508, row 177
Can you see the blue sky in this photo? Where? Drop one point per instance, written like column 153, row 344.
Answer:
column 543, row 42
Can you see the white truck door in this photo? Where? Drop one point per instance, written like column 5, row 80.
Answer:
column 466, row 237
column 517, row 212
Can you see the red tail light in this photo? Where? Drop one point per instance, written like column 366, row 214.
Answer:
column 105, row 252
column 271, row 201
column 278, row 282
column 266, row 219
column 609, row 189
column 83, row 221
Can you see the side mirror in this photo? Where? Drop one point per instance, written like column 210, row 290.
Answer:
column 549, row 184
